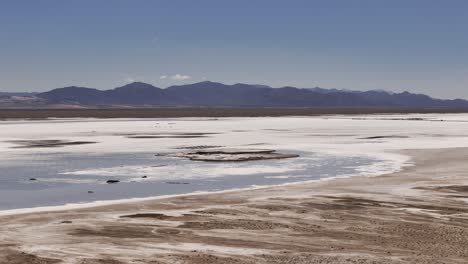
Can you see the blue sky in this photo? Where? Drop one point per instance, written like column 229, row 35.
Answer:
column 415, row 45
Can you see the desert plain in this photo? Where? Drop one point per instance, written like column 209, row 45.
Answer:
column 414, row 213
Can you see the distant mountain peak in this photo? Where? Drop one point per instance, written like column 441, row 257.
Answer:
column 137, row 85
column 74, row 87
column 207, row 82
column 381, row 91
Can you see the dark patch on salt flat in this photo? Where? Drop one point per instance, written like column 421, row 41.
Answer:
column 9, row 256
column 168, row 136
column 148, row 215
column 231, row 155
column 199, row 147
column 167, row 231
column 256, row 144
column 382, row 137
column 47, row 143
column 276, row 129
column 233, row 151
column 331, row 135
column 246, row 224
column 449, row 188
column 396, row 119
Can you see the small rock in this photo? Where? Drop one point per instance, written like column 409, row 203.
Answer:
column 112, row 181
column 90, row 192
column 144, row 177
column 66, row 222
column 33, row 179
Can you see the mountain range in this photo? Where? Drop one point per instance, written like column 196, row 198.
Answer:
column 214, row 94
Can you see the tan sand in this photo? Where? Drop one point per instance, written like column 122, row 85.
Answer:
column 418, row 215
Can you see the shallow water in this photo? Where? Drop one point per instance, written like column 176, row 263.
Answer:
column 63, row 178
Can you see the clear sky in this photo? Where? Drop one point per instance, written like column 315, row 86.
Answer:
column 415, row 45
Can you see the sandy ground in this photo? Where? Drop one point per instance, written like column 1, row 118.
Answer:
column 418, row 215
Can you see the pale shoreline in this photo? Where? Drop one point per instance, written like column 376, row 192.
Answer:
column 417, row 215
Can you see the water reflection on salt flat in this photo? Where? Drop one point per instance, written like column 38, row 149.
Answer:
column 43, row 179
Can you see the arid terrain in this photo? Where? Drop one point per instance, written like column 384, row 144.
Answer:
column 418, row 215
column 233, row 132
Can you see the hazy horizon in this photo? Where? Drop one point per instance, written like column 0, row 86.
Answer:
column 416, row 46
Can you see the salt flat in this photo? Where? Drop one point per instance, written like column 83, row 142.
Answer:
column 358, row 219
column 70, row 160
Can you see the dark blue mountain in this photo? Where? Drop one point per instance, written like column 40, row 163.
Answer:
column 213, row 94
